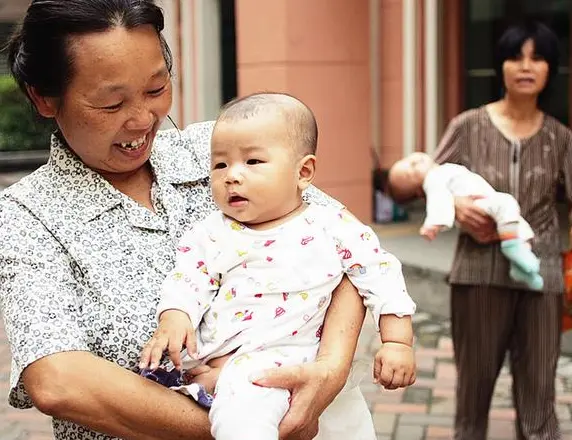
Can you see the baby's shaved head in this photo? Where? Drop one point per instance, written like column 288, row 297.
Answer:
column 300, row 121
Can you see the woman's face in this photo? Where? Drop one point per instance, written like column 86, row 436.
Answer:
column 119, row 94
column 526, row 74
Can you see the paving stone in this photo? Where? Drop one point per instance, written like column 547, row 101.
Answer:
column 410, row 432
column 417, row 395
column 431, row 328
column 384, row 423
column 420, row 317
column 425, row 420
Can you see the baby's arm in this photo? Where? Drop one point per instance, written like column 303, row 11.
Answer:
column 377, row 275
column 440, row 204
column 185, row 295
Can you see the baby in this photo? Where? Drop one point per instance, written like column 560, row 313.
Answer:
column 254, row 279
column 417, row 175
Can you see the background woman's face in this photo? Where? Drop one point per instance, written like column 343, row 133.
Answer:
column 119, row 95
column 525, row 74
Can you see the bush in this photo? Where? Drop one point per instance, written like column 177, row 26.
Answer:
column 21, row 128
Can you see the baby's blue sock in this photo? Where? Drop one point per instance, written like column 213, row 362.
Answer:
column 533, row 280
column 519, row 253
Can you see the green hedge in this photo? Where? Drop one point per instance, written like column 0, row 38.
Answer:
column 21, row 128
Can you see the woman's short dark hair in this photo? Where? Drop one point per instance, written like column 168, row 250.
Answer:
column 545, row 45
column 38, row 52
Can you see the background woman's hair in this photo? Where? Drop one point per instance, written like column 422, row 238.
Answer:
column 545, row 45
column 38, row 52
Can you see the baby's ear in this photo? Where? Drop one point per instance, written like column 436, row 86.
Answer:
column 306, row 171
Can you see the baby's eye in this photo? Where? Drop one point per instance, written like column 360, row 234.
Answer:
column 219, row 166
column 253, row 161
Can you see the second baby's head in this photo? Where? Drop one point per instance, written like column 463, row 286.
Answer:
column 406, row 176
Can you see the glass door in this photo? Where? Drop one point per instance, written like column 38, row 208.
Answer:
column 485, row 21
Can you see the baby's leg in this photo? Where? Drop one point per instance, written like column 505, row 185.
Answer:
column 244, row 411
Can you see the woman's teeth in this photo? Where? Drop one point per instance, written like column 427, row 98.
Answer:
column 133, row 145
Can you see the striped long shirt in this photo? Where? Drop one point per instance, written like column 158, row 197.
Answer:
column 530, row 169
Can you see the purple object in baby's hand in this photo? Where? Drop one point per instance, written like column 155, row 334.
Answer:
column 174, row 379
column 171, row 378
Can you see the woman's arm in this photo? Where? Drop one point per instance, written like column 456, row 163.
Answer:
column 315, row 385
column 474, row 221
column 104, row 397
column 40, row 306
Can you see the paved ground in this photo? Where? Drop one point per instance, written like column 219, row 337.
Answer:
column 421, row 412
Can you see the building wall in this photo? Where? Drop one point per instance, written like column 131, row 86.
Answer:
column 390, row 97
column 364, row 67
column 319, row 52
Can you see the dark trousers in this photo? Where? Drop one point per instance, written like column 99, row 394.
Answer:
column 487, row 322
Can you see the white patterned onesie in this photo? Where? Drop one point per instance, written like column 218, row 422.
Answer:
column 265, row 295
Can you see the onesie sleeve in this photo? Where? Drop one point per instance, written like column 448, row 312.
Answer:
column 372, row 270
column 440, row 203
column 190, row 286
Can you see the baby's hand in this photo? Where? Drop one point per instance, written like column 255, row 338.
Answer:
column 429, row 232
column 394, row 366
column 175, row 331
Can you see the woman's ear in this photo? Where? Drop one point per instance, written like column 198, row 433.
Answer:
column 306, row 171
column 46, row 106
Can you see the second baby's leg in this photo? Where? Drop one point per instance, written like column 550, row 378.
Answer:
column 505, row 210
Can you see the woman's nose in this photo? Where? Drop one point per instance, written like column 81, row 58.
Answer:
column 141, row 119
column 526, row 63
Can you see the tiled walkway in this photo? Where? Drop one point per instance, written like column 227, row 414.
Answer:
column 421, row 412
column 425, row 410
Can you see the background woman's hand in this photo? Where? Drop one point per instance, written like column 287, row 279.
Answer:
column 313, row 386
column 475, row 221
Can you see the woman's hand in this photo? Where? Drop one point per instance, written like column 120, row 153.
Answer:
column 313, row 386
column 475, row 221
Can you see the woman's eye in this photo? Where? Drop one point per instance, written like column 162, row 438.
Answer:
column 219, row 166
column 113, row 107
column 253, row 162
column 157, row 91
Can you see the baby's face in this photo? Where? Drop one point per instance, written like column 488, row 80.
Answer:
column 254, row 169
column 415, row 167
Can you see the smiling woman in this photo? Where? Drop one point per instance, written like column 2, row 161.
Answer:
column 87, row 240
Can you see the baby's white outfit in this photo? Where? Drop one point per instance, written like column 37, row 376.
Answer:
column 445, row 182
column 265, row 295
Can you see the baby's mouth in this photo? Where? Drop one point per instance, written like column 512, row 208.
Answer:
column 236, row 199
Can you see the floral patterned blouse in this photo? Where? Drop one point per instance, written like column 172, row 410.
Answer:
column 81, row 264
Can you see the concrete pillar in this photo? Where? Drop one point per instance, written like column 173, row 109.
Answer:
column 318, row 51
